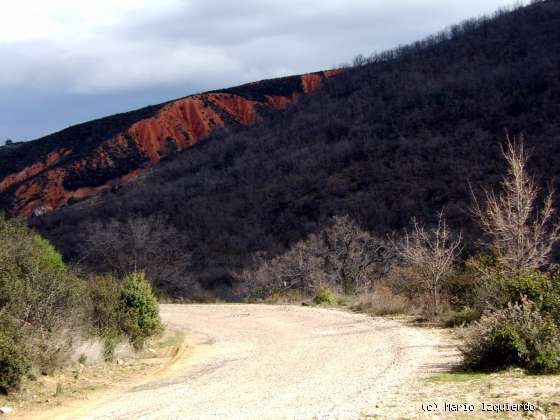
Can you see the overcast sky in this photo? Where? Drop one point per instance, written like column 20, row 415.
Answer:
column 67, row 61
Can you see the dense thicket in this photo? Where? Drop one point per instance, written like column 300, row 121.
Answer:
column 46, row 309
column 400, row 135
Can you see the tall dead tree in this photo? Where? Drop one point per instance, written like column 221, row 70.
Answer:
column 522, row 234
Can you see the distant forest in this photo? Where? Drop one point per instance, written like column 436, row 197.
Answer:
column 401, row 134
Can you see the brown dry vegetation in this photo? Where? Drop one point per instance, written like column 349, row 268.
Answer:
column 75, row 385
column 458, row 388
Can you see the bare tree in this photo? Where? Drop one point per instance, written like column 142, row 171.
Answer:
column 298, row 269
column 352, row 255
column 148, row 244
column 522, row 234
column 342, row 255
column 359, row 61
column 431, row 255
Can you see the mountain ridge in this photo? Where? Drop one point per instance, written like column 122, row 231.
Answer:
column 46, row 174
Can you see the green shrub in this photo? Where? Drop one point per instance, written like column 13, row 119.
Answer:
column 507, row 348
column 13, row 364
column 139, row 309
column 541, row 288
column 531, row 285
column 474, row 284
column 51, row 258
column 43, row 306
column 38, row 295
column 516, row 336
column 121, row 309
column 482, row 285
column 104, row 315
column 464, row 317
column 550, row 302
column 324, row 296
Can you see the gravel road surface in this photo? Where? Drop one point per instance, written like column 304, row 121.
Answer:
column 278, row 362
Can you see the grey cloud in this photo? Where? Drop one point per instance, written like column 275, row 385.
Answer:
column 202, row 45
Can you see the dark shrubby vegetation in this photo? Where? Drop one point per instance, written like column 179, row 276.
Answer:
column 341, row 257
column 39, row 297
column 520, row 321
column 104, row 297
column 285, row 86
column 147, row 243
column 45, row 308
column 398, row 136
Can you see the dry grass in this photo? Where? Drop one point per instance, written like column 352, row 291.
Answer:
column 513, row 386
column 442, row 384
column 287, row 297
column 80, row 382
column 382, row 302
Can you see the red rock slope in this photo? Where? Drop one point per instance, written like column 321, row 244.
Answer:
column 76, row 163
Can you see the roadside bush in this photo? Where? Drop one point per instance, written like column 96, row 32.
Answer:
column 105, row 293
column 463, row 317
column 482, row 285
column 139, row 309
column 543, row 289
column 120, row 309
column 45, row 307
column 286, row 297
column 324, row 296
column 516, row 336
column 13, row 364
column 42, row 300
column 398, row 280
column 477, row 284
column 534, row 286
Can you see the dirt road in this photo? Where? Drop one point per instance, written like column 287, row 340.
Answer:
column 278, row 362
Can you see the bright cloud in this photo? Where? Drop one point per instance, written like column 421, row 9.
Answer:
column 26, row 20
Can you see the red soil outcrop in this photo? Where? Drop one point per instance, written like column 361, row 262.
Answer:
column 311, row 82
column 178, row 125
column 280, row 102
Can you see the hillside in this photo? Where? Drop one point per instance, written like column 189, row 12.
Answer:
column 46, row 174
column 402, row 135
